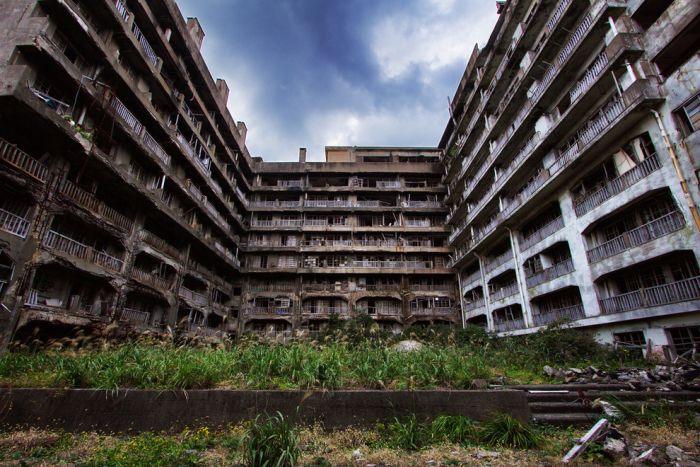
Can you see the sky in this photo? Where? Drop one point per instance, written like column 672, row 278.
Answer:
column 316, row 73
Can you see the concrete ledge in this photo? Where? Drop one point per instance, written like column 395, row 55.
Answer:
column 135, row 411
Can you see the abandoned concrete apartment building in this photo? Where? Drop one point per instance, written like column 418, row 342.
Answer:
column 563, row 188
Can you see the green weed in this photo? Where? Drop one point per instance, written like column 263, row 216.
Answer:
column 272, row 443
column 504, row 430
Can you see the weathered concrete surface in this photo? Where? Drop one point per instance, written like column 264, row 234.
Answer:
column 76, row 410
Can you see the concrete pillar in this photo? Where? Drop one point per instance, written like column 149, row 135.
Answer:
column 520, row 277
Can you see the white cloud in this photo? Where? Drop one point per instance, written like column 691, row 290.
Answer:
column 441, row 34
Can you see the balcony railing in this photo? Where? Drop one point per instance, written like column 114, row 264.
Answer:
column 435, row 311
column 320, row 309
column 498, row 260
column 134, row 316
column 327, row 203
column 543, row 232
column 475, row 304
column 379, row 287
column 195, row 297
column 391, row 264
column 89, row 202
column 22, row 161
column 509, row 325
column 558, row 13
column 657, row 228
column 159, row 244
column 424, row 204
column 501, row 292
column 277, row 223
column 570, row 313
column 381, row 311
column 14, row 224
column 276, row 287
column 590, row 77
column 145, row 45
column 157, row 149
column 120, row 109
column 290, row 183
column 590, row 201
column 551, row 273
column 388, row 184
column 56, row 241
column 666, row 294
column 270, row 310
column 121, row 9
column 151, row 279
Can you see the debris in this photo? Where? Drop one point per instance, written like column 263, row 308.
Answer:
column 479, row 384
column 407, row 346
column 610, row 410
column 675, row 453
column 615, row 447
column 357, row 454
column 643, row 457
column 486, row 454
column 588, row 438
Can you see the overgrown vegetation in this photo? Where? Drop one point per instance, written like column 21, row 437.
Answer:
column 272, row 443
column 656, row 414
column 353, row 354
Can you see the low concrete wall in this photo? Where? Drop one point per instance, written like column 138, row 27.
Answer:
column 149, row 410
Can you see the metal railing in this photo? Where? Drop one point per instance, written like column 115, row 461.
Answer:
column 391, row 264
column 91, row 203
column 276, row 287
column 560, row 269
column 22, row 161
column 159, row 244
column 498, row 260
column 270, row 310
column 121, row 9
column 475, row 304
column 157, row 149
column 502, row 292
column 14, row 224
column 327, row 203
column 590, row 201
column 145, row 45
column 56, row 241
column 126, row 115
column 590, row 77
column 278, row 223
column 509, row 325
column 320, row 309
column 151, row 279
column 134, row 316
column 570, row 313
column 195, row 297
column 657, row 228
column 290, row 183
column 666, row 294
column 543, row 232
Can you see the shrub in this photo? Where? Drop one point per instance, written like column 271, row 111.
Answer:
column 457, row 429
column 272, row 443
column 504, row 430
column 407, row 434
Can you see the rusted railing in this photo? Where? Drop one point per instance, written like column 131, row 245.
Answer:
column 151, row 279
column 551, row 273
column 59, row 242
column 14, row 224
column 91, row 203
column 22, row 161
column 562, row 314
column 666, row 294
column 135, row 316
column 657, row 228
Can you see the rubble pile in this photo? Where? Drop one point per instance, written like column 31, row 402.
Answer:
column 616, row 447
column 663, row 377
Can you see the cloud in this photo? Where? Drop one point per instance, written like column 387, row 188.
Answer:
column 311, row 73
column 437, row 35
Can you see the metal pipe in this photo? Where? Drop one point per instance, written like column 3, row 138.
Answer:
column 679, row 171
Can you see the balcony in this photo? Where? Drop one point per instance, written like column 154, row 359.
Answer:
column 270, row 310
column 151, row 279
column 88, row 201
column 57, row 242
column 540, row 234
column 134, row 316
column 435, row 311
column 509, row 325
column 560, row 269
column 590, row 201
column 475, row 304
column 14, row 224
column 498, row 293
column 278, row 223
column 145, row 45
column 660, row 295
column 570, row 313
column 325, row 310
column 121, row 9
column 159, row 244
column 671, row 222
column 499, row 260
column 195, row 297
column 122, row 111
column 204, row 164
column 327, row 203
column 23, row 162
column 392, row 264
column 275, row 287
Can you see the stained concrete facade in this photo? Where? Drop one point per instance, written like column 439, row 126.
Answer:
column 571, row 162
column 563, row 188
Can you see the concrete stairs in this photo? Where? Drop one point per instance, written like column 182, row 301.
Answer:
column 565, row 405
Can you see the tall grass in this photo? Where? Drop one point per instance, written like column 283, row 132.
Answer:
column 451, row 360
column 272, row 443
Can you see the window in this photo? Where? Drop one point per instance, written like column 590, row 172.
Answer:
column 688, row 115
column 633, row 341
column 685, row 340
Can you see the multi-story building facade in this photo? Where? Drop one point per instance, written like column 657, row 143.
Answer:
column 564, row 186
column 362, row 232
column 571, row 161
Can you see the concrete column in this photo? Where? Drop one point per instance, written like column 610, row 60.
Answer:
column 520, row 277
column 577, row 246
column 487, row 297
